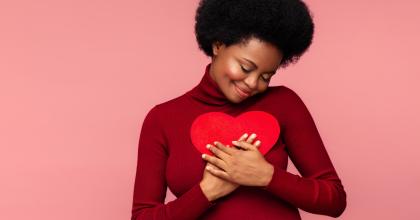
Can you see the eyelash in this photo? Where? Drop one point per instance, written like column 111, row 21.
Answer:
column 247, row 71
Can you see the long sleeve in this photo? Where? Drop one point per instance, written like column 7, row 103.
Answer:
column 319, row 190
column 150, row 182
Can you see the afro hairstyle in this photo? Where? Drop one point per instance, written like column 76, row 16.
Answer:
column 287, row 24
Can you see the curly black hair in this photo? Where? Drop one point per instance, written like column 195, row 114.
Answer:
column 287, row 24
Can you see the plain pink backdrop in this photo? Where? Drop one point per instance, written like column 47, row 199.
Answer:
column 77, row 78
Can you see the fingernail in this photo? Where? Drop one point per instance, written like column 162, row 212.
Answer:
column 253, row 135
column 208, row 146
column 215, row 143
column 203, row 156
column 257, row 142
column 235, row 142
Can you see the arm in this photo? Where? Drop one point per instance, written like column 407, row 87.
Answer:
column 150, row 182
column 319, row 190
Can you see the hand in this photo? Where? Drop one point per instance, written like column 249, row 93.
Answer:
column 215, row 187
column 245, row 167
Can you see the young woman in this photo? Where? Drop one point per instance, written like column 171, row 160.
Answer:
column 248, row 41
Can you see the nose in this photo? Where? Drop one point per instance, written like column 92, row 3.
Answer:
column 251, row 81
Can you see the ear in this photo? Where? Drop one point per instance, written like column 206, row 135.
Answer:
column 216, row 46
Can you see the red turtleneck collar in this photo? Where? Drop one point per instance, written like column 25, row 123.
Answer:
column 208, row 92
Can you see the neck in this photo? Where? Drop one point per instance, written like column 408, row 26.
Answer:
column 208, row 92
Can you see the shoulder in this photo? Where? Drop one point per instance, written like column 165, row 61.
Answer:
column 162, row 111
column 175, row 103
column 284, row 93
column 288, row 100
column 291, row 104
column 152, row 116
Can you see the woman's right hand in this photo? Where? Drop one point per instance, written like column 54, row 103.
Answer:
column 215, row 187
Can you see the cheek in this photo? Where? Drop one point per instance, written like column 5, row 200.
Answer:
column 233, row 77
column 262, row 88
column 233, row 74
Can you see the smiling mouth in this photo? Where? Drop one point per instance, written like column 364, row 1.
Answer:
column 241, row 92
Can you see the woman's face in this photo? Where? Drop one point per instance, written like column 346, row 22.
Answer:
column 243, row 70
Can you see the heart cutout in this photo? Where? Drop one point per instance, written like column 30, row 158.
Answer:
column 219, row 126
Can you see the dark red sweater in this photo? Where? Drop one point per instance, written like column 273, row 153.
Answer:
column 167, row 158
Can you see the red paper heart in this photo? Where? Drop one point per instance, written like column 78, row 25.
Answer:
column 219, row 126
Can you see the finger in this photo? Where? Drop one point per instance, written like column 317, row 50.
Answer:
column 251, row 138
column 234, row 147
column 243, row 137
column 257, row 143
column 228, row 150
column 219, row 173
column 244, row 145
column 212, row 166
column 215, row 161
column 218, row 152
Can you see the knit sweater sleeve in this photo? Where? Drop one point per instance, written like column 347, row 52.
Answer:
column 150, row 182
column 318, row 190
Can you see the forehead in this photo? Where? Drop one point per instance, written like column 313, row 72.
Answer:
column 262, row 53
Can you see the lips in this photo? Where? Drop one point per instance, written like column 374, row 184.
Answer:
column 242, row 92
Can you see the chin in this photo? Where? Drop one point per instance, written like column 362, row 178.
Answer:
column 236, row 100
column 234, row 97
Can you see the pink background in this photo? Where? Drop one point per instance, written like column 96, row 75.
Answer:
column 77, row 78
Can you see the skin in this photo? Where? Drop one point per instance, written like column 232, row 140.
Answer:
column 230, row 68
column 215, row 187
column 231, row 167
column 249, row 66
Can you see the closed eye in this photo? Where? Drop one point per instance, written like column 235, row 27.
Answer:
column 266, row 79
column 245, row 70
column 248, row 71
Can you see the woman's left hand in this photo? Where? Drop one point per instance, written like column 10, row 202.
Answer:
column 245, row 166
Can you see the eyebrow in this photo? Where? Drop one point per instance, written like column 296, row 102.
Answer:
column 255, row 65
